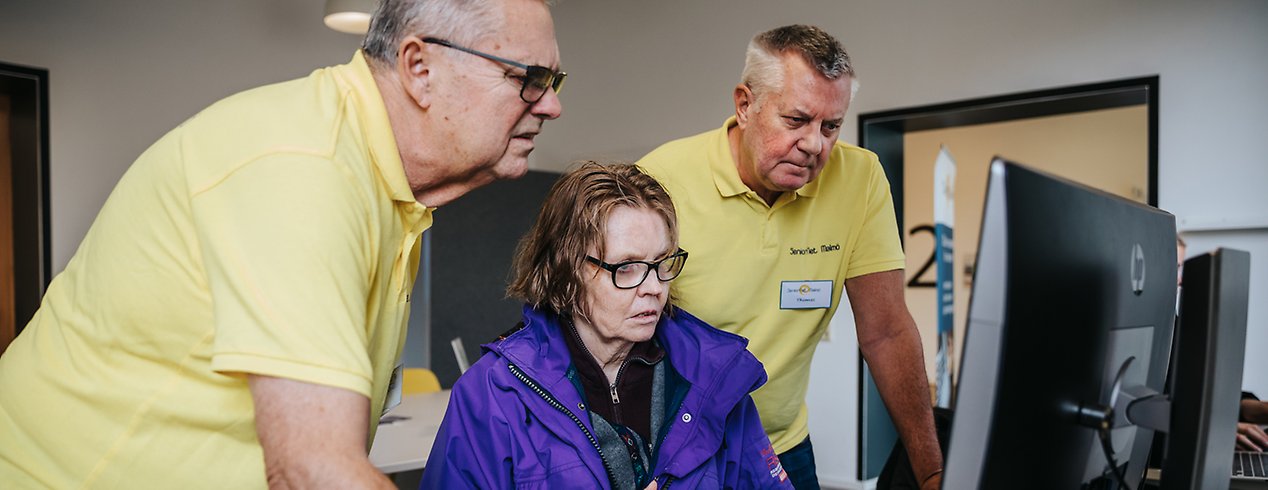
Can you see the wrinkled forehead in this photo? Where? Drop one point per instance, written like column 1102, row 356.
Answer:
column 630, row 231
column 527, row 34
column 803, row 88
column 810, row 104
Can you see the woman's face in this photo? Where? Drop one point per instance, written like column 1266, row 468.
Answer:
column 620, row 316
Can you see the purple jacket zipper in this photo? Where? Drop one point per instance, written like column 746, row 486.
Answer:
column 550, row 400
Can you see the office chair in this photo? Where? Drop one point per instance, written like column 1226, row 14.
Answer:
column 419, row 380
column 460, row 354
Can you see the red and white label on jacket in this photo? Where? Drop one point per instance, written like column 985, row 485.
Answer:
column 772, row 463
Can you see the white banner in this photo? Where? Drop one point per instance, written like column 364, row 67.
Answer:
column 944, row 254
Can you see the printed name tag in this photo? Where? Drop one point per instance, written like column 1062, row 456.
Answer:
column 798, row 295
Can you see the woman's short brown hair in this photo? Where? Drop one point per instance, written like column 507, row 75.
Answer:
column 548, row 269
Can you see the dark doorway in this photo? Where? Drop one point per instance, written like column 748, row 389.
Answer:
column 25, row 263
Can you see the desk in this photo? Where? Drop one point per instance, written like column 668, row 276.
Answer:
column 403, row 445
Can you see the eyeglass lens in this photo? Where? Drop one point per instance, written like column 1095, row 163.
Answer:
column 632, row 274
column 537, row 79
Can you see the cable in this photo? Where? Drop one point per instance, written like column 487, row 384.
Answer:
column 1103, row 432
column 1107, row 421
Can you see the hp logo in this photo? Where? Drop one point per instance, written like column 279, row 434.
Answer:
column 1138, row 270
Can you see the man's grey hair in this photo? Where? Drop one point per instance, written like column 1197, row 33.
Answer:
column 462, row 22
column 763, row 63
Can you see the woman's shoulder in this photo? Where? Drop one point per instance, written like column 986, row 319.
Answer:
column 702, row 332
column 530, row 346
column 489, row 368
column 697, row 347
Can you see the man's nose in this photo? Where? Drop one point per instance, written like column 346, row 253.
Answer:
column 811, row 143
column 547, row 107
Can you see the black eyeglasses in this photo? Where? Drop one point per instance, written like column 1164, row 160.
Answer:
column 536, row 78
column 631, row 274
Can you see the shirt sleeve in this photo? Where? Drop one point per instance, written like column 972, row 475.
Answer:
column 877, row 248
column 283, row 241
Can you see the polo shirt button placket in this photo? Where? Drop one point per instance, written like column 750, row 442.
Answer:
column 770, row 234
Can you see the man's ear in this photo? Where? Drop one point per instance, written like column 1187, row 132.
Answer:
column 744, row 99
column 414, row 68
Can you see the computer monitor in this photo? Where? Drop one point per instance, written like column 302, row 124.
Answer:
column 1207, row 371
column 1070, row 283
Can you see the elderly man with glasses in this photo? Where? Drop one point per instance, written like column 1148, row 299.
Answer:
column 235, row 316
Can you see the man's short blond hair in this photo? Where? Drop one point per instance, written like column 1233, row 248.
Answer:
column 763, row 61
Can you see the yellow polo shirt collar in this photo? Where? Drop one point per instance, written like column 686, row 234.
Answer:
column 375, row 125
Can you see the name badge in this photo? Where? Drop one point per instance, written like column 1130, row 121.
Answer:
column 394, row 389
column 801, row 295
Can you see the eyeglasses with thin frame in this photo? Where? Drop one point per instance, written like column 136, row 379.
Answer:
column 536, row 78
column 631, row 273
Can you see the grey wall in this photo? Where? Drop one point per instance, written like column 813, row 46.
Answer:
column 123, row 72
column 472, row 243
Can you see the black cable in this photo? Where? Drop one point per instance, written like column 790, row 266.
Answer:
column 1101, row 418
column 1103, row 432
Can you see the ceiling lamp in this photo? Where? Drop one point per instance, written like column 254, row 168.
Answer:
column 350, row 16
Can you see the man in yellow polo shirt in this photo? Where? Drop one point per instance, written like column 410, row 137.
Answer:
column 779, row 217
column 235, row 316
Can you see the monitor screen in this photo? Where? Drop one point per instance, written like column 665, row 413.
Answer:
column 1073, row 298
column 1207, row 371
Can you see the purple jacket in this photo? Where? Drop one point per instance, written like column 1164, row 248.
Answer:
column 515, row 421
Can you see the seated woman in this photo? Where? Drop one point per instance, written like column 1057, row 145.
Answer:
column 604, row 384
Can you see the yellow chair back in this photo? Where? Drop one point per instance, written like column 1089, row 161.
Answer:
column 419, row 380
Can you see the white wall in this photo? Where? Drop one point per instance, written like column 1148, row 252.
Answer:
column 123, row 72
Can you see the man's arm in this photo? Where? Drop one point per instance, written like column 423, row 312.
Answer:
column 1250, row 437
column 891, row 345
column 1253, row 411
column 313, row 435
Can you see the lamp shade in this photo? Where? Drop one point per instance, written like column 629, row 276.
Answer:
column 350, row 16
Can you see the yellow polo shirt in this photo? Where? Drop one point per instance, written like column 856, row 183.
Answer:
column 274, row 233
column 774, row 274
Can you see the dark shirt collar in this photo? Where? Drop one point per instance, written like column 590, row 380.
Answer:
column 648, row 352
column 634, row 381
